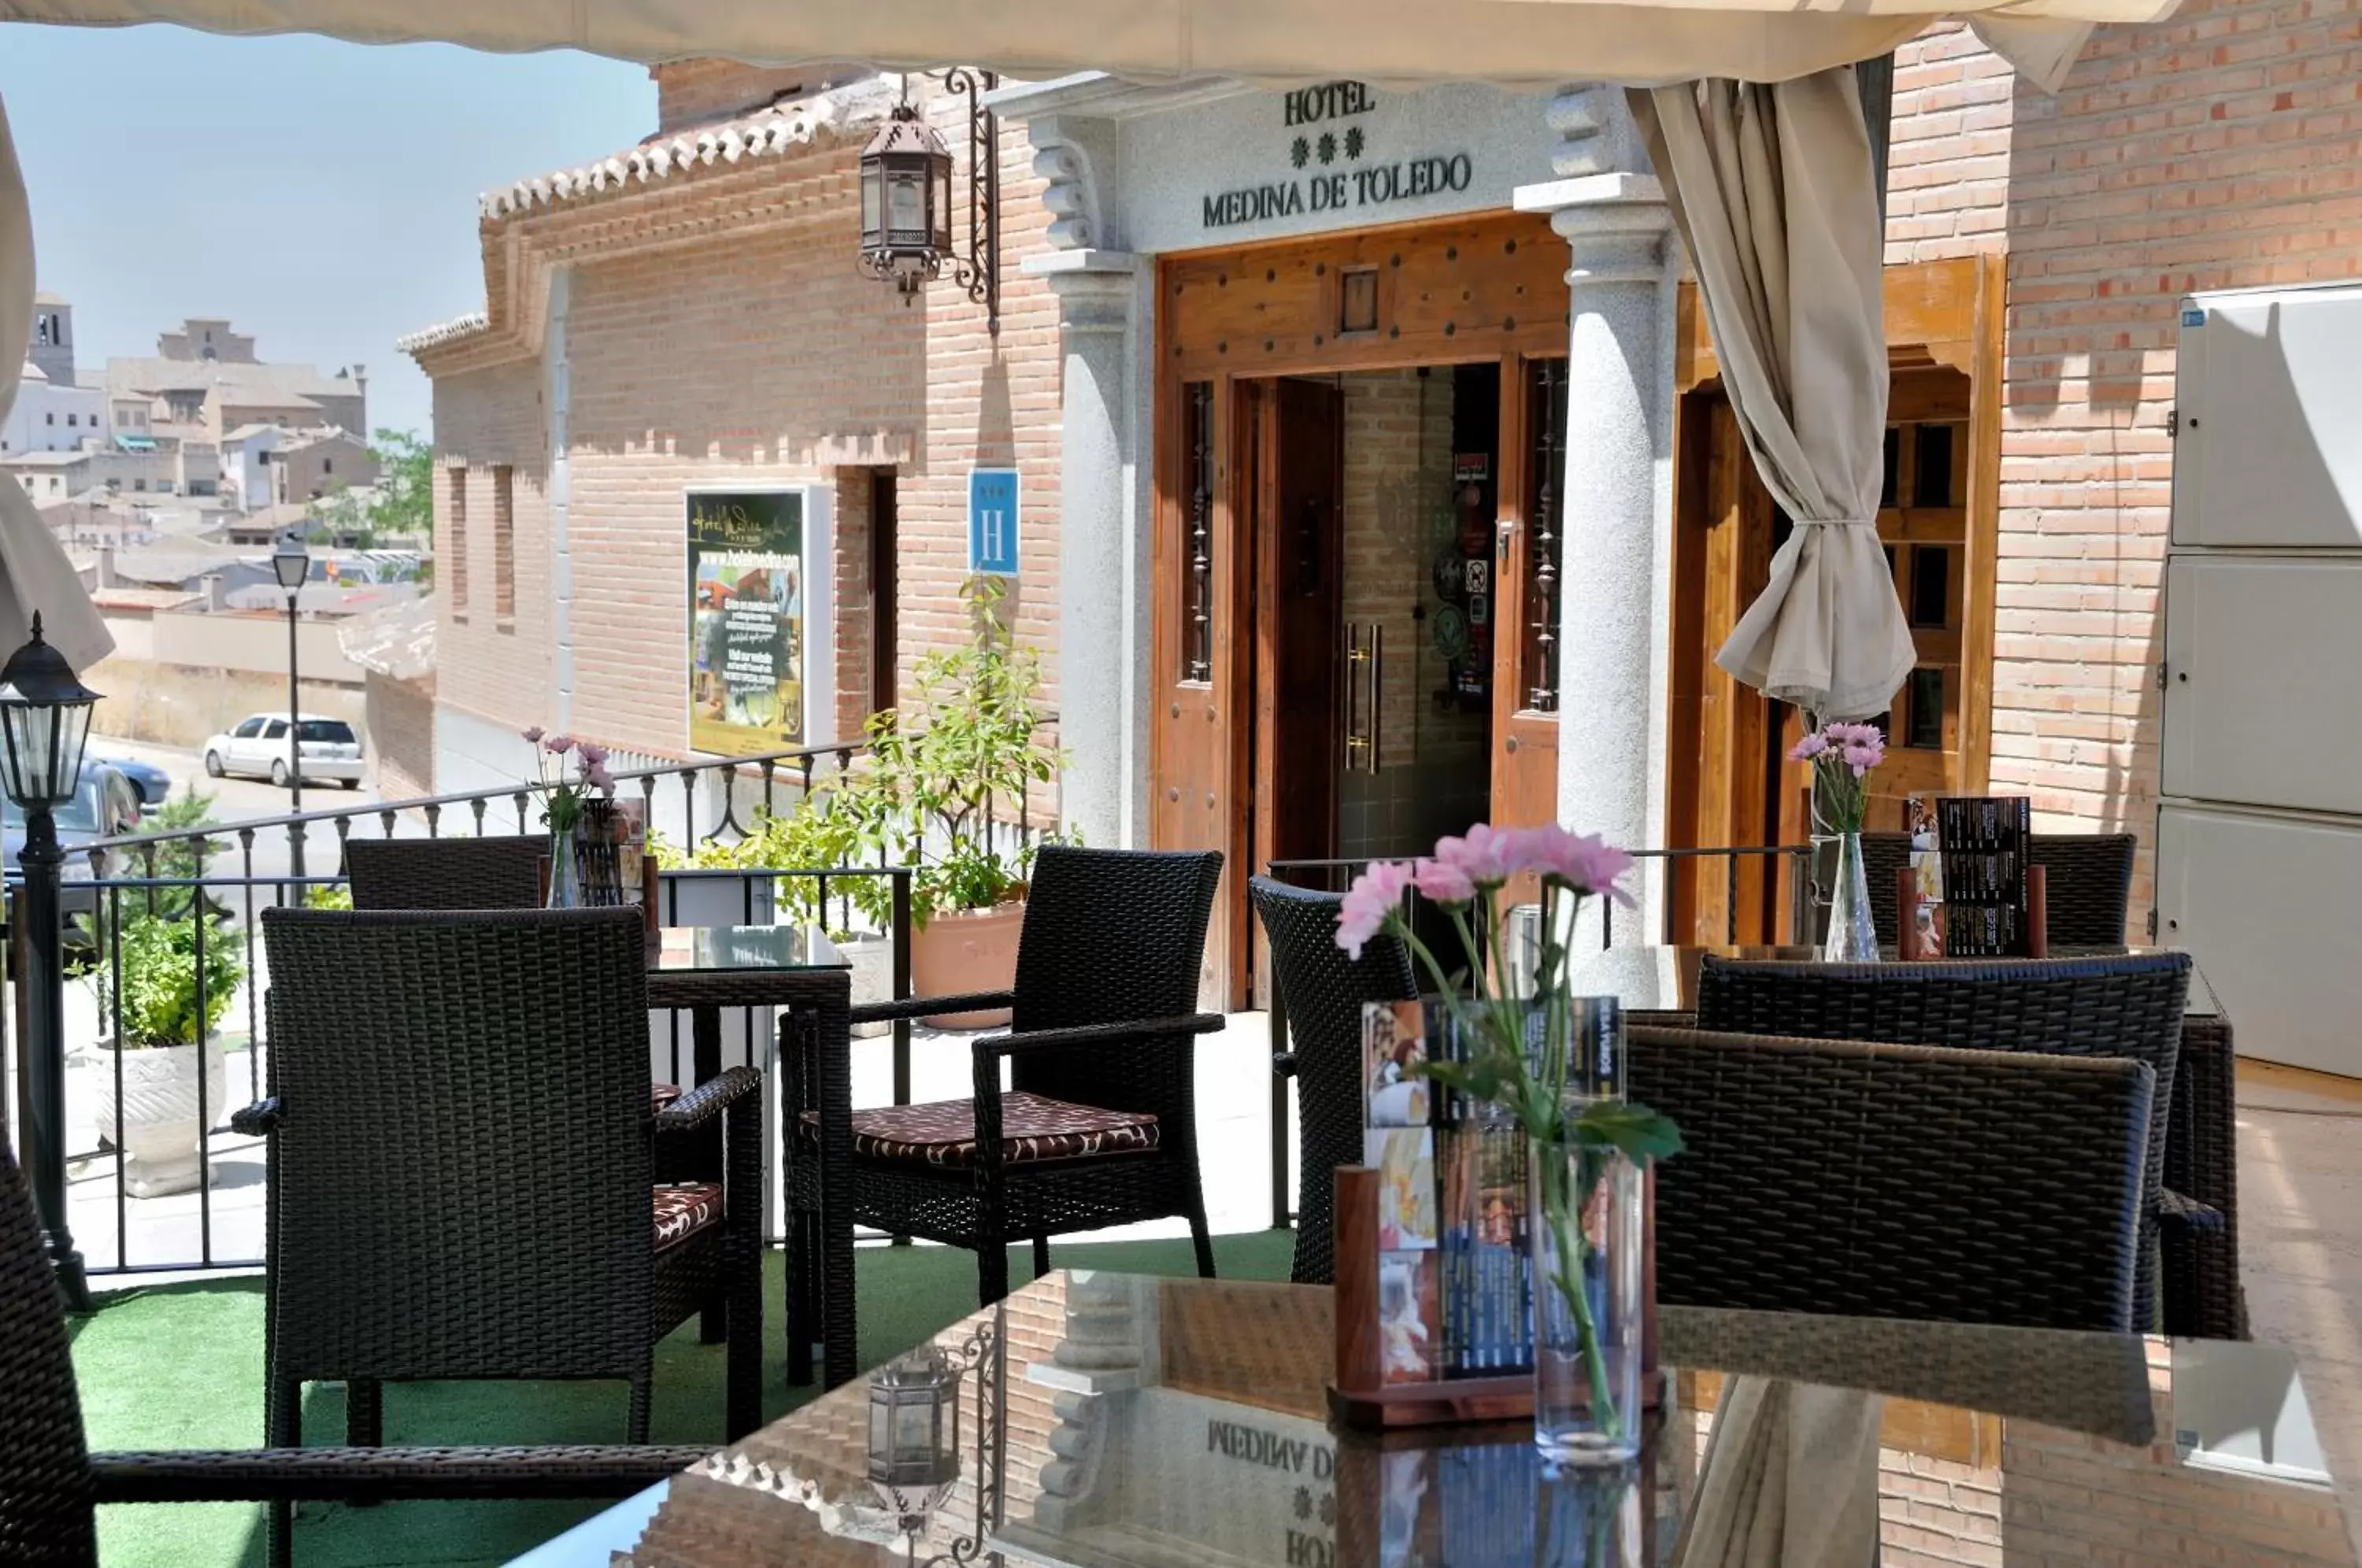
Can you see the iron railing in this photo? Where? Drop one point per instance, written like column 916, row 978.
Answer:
column 172, row 874
column 1333, row 873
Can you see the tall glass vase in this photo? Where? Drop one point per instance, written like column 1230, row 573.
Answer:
column 1852, row 935
column 565, row 876
column 1588, row 1250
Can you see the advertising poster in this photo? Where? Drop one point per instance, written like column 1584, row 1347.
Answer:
column 746, row 644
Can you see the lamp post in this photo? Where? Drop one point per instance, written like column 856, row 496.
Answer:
column 44, row 719
column 291, row 564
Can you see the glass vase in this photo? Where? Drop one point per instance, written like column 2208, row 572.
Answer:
column 1588, row 1250
column 1852, row 936
column 565, row 876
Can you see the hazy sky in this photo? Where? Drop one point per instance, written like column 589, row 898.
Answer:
column 320, row 195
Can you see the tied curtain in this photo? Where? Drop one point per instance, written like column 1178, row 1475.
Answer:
column 35, row 575
column 1770, row 186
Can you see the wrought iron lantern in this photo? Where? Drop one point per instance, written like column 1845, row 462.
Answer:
column 44, row 719
column 906, row 200
column 914, row 1461
column 291, row 563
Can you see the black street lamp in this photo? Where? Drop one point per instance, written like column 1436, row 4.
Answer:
column 291, row 563
column 44, row 719
column 906, row 200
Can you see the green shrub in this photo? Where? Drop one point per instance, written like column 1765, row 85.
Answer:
column 160, row 981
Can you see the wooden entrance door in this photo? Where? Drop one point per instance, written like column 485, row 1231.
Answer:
column 1526, row 591
column 1298, row 597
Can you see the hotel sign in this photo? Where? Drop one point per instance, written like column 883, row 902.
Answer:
column 1335, row 165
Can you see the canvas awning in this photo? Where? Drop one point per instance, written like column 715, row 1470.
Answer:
column 1517, row 43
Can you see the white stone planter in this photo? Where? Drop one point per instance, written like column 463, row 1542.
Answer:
column 873, row 974
column 161, row 1123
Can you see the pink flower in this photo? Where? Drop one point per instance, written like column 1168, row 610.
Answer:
column 598, row 778
column 1862, row 757
column 1376, row 894
column 593, row 753
column 533, row 735
column 559, row 745
column 1811, row 746
column 1442, row 882
column 1489, row 857
column 1584, row 862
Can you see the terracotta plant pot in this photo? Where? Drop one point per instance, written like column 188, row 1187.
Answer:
column 974, row 950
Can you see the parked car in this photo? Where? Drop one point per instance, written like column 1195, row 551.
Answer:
column 257, row 748
column 155, row 785
column 104, row 805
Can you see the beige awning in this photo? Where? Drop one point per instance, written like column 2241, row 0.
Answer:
column 35, row 575
column 1517, row 43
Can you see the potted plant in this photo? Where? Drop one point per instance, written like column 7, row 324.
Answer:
column 929, row 796
column 162, row 1035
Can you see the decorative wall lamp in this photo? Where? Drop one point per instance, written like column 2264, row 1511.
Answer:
column 906, row 200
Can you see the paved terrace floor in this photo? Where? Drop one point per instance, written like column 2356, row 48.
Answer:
column 2300, row 1201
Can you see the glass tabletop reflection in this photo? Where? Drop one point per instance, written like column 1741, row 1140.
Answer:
column 721, row 949
column 1095, row 1419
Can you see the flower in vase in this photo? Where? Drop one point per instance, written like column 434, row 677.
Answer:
column 531, row 737
column 559, row 745
column 1811, row 746
column 1376, row 893
column 1441, row 881
column 1585, row 862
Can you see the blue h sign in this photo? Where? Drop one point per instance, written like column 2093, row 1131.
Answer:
column 993, row 521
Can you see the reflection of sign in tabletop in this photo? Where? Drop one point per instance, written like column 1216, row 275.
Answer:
column 746, row 621
column 992, row 521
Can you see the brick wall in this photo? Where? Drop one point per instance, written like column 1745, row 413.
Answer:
column 693, row 92
column 718, row 334
column 1946, row 182
column 2220, row 149
column 400, row 729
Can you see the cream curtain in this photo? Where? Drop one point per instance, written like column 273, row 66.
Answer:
column 1771, row 185
column 35, row 575
column 1790, row 1480
column 1523, row 43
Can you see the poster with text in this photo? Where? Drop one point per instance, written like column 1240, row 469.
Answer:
column 747, row 557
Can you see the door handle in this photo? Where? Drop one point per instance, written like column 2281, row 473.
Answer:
column 1365, row 686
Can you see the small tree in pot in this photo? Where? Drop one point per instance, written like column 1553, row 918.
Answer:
column 930, row 795
column 163, row 1026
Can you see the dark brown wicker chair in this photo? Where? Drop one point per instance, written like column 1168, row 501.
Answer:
column 460, row 1161
column 1098, row 1126
column 49, row 1482
column 2088, row 885
column 498, row 873
column 1897, row 1181
column 2129, row 1006
column 1320, row 992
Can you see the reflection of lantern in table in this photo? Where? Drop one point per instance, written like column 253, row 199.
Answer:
column 914, row 1434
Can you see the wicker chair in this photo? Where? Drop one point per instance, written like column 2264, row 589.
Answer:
column 2129, row 1006
column 1319, row 990
column 1897, row 1181
column 1098, row 1126
column 2088, row 888
column 49, row 1482
column 461, row 1172
column 499, row 873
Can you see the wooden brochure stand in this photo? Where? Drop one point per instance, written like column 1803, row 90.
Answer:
column 1361, row 1396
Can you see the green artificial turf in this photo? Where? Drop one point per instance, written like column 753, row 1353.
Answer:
column 181, row 1366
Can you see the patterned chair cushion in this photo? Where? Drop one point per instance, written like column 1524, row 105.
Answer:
column 1033, row 1128
column 683, row 1209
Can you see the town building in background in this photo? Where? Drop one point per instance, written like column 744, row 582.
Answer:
column 677, row 362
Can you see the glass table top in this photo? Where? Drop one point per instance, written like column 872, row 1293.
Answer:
column 1105, row 1421
column 719, row 949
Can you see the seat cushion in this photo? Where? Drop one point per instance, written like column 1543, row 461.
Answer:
column 1033, row 1128
column 683, row 1209
column 662, row 1095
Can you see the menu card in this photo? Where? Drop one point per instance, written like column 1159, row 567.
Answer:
column 1985, row 840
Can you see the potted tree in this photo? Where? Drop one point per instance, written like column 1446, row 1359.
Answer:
column 162, row 1036
column 930, row 797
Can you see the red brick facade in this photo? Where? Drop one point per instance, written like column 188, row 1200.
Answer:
column 716, row 332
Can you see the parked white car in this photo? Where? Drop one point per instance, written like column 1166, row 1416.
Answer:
column 257, row 748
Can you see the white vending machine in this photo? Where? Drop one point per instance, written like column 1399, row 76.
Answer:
column 2260, row 823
